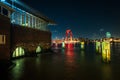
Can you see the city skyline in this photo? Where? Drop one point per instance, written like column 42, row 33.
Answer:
column 88, row 19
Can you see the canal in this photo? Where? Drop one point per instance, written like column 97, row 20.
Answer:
column 61, row 64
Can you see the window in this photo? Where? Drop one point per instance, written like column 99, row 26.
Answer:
column 31, row 22
column 0, row 9
column 27, row 20
column 23, row 20
column 5, row 11
column 2, row 39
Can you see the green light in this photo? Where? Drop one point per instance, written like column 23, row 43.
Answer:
column 38, row 49
column 98, row 46
column 108, row 35
column 82, row 45
column 63, row 44
column 19, row 51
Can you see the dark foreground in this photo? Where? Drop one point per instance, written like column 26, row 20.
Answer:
column 66, row 65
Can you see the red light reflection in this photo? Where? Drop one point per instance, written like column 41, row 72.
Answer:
column 69, row 46
column 70, row 56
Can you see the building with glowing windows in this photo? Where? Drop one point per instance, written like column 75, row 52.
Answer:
column 22, row 32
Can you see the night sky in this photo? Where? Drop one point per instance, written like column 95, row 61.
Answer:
column 86, row 18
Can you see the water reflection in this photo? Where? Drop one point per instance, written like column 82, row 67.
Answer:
column 18, row 69
column 105, row 49
column 82, row 57
column 107, row 72
column 69, row 55
column 70, row 64
column 66, row 64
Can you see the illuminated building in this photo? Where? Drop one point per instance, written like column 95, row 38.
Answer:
column 69, row 43
column 22, row 32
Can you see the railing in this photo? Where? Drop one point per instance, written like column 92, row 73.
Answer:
column 23, row 18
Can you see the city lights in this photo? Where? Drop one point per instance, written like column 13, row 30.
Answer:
column 84, row 45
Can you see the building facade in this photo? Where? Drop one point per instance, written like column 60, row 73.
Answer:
column 22, row 32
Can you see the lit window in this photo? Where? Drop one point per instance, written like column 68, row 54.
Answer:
column 2, row 39
column 19, row 51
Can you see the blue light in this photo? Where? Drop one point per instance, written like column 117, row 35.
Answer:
column 3, row 0
column 13, row 0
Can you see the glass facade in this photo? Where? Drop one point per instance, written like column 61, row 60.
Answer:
column 28, row 20
column 23, row 18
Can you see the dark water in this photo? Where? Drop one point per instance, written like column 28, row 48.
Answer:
column 77, row 64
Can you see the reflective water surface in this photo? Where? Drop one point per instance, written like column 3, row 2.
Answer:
column 77, row 64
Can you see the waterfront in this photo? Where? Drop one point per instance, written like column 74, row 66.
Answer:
column 77, row 64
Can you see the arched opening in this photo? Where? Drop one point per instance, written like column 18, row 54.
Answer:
column 38, row 49
column 19, row 51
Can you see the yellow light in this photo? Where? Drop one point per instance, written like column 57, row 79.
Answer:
column 106, row 51
column 82, row 45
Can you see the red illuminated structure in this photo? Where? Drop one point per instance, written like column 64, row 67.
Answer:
column 68, row 41
column 67, row 34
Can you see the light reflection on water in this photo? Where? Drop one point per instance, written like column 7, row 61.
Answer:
column 70, row 58
column 65, row 64
column 104, row 48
